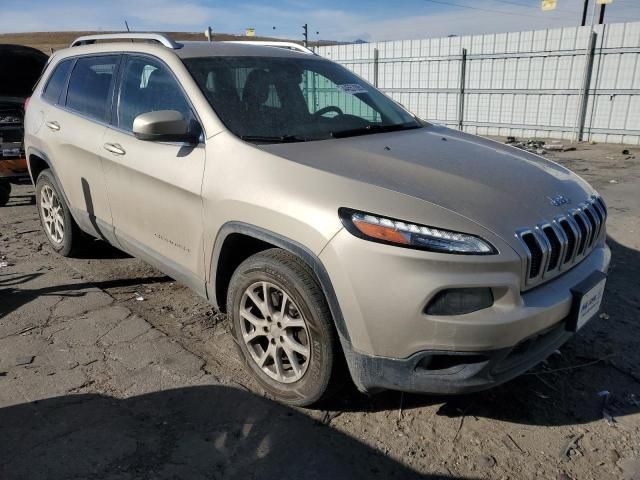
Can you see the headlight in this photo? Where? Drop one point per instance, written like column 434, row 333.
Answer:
column 409, row 235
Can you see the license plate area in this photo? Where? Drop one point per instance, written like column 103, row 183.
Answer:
column 587, row 298
column 10, row 152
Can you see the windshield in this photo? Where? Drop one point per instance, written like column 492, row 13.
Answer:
column 276, row 99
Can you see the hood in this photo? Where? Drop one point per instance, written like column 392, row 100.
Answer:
column 21, row 67
column 500, row 187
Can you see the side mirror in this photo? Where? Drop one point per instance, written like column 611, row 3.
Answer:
column 163, row 126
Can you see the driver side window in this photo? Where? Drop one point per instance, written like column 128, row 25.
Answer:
column 148, row 86
column 320, row 93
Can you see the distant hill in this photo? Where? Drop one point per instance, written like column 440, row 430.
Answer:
column 51, row 41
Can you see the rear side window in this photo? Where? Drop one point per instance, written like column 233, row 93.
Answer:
column 90, row 85
column 56, row 82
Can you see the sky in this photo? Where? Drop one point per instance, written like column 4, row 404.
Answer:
column 343, row 20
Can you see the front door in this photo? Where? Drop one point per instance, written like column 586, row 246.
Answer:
column 155, row 188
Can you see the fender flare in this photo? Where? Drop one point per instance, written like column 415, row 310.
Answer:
column 38, row 153
column 285, row 243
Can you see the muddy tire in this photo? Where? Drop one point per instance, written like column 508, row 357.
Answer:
column 5, row 192
column 61, row 230
column 282, row 325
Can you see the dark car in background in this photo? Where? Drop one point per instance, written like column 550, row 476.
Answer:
column 20, row 68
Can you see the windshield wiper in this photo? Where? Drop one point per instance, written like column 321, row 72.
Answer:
column 274, row 139
column 369, row 129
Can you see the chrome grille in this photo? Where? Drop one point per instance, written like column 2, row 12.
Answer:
column 557, row 245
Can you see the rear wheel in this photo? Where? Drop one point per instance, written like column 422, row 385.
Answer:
column 283, row 327
column 5, row 192
column 58, row 224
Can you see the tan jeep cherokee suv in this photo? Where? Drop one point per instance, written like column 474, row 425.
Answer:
column 333, row 226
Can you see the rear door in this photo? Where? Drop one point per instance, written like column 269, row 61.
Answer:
column 155, row 187
column 74, row 124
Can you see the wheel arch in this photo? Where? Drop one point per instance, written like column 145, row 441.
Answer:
column 38, row 161
column 237, row 241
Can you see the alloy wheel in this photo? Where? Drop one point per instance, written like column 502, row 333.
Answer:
column 275, row 332
column 52, row 214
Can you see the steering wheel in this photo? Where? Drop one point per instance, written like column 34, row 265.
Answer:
column 330, row 108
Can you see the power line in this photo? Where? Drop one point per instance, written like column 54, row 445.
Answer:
column 500, row 12
column 555, row 9
column 627, row 5
column 532, row 7
column 518, row 4
column 621, row 3
column 525, row 6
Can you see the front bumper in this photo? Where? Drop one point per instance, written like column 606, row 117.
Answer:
column 392, row 344
column 453, row 372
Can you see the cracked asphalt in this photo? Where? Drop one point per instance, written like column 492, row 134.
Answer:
column 111, row 370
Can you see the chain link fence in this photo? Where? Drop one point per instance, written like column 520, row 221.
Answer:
column 569, row 83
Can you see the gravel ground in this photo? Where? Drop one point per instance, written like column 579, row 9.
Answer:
column 95, row 383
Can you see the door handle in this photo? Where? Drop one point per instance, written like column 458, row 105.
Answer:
column 114, row 148
column 55, row 126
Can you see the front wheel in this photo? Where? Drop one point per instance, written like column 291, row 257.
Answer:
column 283, row 327
column 58, row 224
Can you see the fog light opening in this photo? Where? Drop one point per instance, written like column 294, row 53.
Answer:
column 459, row 301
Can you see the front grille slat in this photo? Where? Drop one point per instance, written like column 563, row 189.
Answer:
column 535, row 254
column 599, row 216
column 584, row 231
column 556, row 247
column 572, row 237
column 593, row 225
column 559, row 245
column 578, row 231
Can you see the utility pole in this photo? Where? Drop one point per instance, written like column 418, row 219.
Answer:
column 602, row 7
column 305, row 32
column 584, row 12
column 578, row 128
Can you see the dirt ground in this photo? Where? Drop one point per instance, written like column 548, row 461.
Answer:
column 197, row 413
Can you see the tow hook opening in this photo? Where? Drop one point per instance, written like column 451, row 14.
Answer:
column 449, row 363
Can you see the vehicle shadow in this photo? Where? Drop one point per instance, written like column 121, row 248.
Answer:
column 190, row 433
column 12, row 298
column 96, row 249
column 21, row 200
column 12, row 279
column 568, row 388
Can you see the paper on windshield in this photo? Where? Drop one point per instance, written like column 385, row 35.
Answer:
column 352, row 88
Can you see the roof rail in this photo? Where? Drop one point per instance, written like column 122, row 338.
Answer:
column 287, row 45
column 156, row 37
